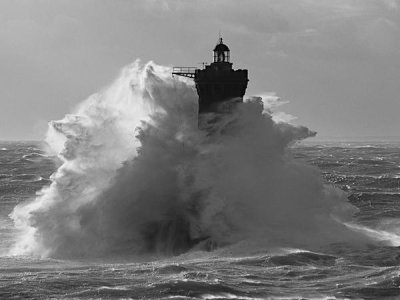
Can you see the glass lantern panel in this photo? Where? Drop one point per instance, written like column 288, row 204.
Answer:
column 221, row 57
column 226, row 53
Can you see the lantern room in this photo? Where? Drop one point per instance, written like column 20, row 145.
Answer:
column 221, row 52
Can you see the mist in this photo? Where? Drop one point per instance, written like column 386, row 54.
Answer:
column 138, row 176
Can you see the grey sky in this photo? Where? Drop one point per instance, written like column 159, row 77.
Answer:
column 336, row 61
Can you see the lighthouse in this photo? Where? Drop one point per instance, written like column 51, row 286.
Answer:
column 219, row 86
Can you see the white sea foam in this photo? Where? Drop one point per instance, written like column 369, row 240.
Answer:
column 387, row 232
column 138, row 175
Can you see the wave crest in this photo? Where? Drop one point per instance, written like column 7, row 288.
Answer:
column 139, row 176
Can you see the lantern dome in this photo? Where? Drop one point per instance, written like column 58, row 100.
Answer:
column 221, row 52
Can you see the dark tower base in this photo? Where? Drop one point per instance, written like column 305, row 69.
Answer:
column 219, row 83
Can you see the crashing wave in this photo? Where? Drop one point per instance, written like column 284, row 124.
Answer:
column 138, row 176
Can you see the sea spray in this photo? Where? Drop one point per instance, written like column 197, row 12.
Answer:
column 138, row 176
column 92, row 144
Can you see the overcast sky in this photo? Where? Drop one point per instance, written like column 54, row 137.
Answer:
column 336, row 61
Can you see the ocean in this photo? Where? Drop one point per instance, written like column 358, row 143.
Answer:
column 129, row 199
column 368, row 172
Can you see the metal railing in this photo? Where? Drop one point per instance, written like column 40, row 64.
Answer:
column 184, row 71
column 187, row 70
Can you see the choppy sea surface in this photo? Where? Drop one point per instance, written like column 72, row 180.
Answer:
column 368, row 172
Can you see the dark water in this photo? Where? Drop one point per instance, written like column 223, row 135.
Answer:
column 370, row 173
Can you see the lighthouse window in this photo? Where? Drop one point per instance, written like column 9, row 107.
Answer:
column 221, row 56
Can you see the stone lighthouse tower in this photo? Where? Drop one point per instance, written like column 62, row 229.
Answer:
column 218, row 85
